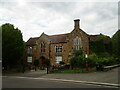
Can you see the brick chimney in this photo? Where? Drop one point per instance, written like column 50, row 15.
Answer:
column 76, row 24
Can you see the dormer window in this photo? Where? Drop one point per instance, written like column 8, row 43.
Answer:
column 29, row 50
column 77, row 43
column 42, row 47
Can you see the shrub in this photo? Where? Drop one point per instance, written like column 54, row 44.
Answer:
column 92, row 60
column 78, row 60
column 78, row 52
column 36, row 62
column 61, row 62
column 47, row 62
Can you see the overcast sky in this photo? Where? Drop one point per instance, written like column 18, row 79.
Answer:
column 33, row 18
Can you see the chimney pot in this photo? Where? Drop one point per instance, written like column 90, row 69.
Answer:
column 76, row 23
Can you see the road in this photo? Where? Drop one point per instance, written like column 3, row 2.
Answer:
column 28, row 82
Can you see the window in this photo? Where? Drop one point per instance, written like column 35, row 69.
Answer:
column 58, row 59
column 77, row 43
column 42, row 47
column 29, row 59
column 58, row 48
column 29, row 51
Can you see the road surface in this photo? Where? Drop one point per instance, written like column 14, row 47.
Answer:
column 28, row 82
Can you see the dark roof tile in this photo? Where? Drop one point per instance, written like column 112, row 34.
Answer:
column 61, row 38
column 32, row 41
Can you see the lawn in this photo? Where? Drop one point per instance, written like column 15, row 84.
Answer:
column 74, row 71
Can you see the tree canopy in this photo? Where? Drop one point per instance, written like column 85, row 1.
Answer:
column 116, row 43
column 12, row 45
column 101, row 45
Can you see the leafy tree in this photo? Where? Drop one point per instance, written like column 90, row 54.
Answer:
column 92, row 60
column 78, row 60
column 102, row 45
column 47, row 62
column 12, row 45
column 116, row 43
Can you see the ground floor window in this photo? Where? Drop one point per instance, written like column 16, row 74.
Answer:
column 58, row 59
column 29, row 59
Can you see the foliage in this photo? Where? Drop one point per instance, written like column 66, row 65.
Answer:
column 78, row 60
column 116, row 43
column 92, row 60
column 78, row 52
column 97, row 46
column 47, row 62
column 101, row 45
column 12, row 45
column 42, row 68
column 36, row 62
column 107, row 61
column 62, row 62
column 74, row 71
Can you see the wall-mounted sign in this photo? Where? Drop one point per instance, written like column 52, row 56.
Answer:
column 29, row 59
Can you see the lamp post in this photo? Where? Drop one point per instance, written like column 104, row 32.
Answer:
column 86, row 62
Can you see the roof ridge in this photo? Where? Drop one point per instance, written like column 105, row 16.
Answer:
column 59, row 34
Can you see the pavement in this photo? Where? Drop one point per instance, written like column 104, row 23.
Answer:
column 109, row 78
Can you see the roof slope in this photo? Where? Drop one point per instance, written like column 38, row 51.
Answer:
column 32, row 41
column 61, row 38
column 96, row 37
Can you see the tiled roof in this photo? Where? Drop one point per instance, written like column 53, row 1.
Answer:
column 96, row 37
column 61, row 38
column 93, row 37
column 32, row 41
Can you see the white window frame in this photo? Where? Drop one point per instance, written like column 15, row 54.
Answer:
column 58, row 59
column 42, row 47
column 29, row 59
column 29, row 50
column 58, row 49
column 77, row 43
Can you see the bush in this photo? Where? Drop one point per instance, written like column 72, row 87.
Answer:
column 78, row 60
column 78, row 52
column 92, row 60
column 36, row 62
column 107, row 61
column 47, row 62
column 61, row 62
column 42, row 68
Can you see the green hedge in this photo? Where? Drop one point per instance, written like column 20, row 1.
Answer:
column 79, row 60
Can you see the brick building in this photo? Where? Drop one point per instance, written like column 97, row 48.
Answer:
column 58, row 47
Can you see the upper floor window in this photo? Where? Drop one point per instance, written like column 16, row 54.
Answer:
column 29, row 50
column 58, row 48
column 42, row 47
column 77, row 43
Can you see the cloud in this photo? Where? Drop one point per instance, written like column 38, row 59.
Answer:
column 33, row 18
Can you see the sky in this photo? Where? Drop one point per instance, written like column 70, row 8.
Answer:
column 35, row 17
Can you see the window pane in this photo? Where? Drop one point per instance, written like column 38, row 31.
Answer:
column 42, row 47
column 58, row 59
column 58, row 48
column 76, row 43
